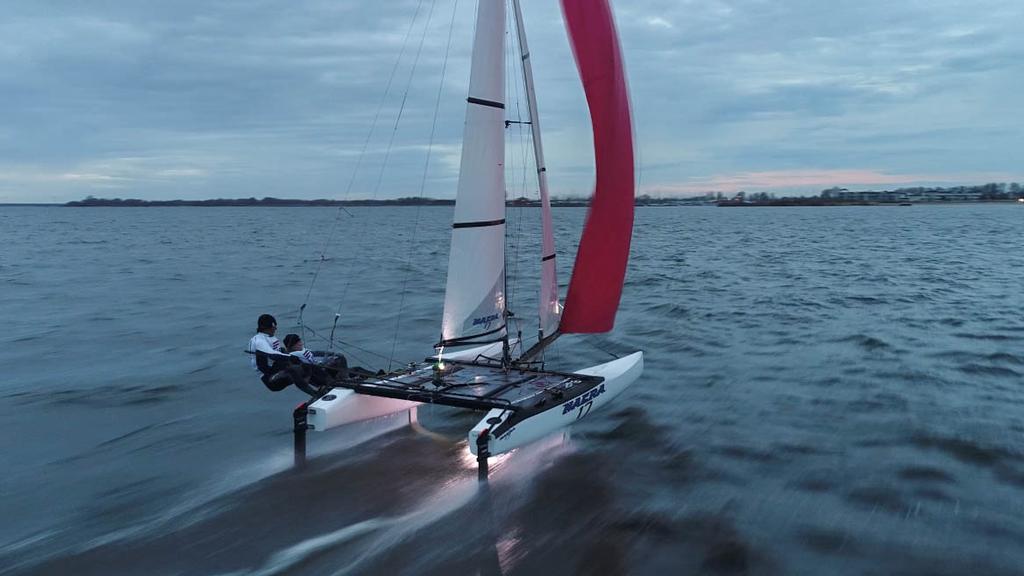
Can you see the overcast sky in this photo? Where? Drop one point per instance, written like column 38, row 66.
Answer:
column 237, row 98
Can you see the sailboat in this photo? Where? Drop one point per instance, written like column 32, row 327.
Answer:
column 478, row 365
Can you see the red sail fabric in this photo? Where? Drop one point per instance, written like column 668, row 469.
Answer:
column 600, row 268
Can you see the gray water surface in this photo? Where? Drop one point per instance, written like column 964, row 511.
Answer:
column 826, row 391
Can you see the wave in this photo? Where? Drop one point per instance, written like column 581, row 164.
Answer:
column 966, row 450
column 981, row 369
column 103, row 396
column 827, row 541
column 925, row 474
column 989, row 336
column 668, row 309
column 878, row 496
column 866, row 342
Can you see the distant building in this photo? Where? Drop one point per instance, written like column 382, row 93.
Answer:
column 945, row 195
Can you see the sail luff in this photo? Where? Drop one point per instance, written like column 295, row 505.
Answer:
column 600, row 269
column 474, row 305
column 549, row 306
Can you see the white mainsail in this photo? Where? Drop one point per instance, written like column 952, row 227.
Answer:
column 550, row 309
column 474, row 303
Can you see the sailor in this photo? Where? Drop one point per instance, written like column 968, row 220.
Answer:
column 277, row 369
column 293, row 345
column 325, row 366
column 264, row 341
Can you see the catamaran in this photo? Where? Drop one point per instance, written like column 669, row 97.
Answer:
column 477, row 364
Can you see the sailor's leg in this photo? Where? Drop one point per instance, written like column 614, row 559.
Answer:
column 300, row 378
column 319, row 377
column 277, row 382
column 338, row 366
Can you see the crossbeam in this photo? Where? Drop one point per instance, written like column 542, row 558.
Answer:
column 441, row 397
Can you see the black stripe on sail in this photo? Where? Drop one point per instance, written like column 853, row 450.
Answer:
column 483, row 102
column 525, row 56
column 479, row 224
column 472, row 339
column 467, row 342
column 548, row 257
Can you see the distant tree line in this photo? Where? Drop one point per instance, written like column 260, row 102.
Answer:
column 985, row 192
column 91, row 201
column 841, row 196
column 521, row 201
column 990, row 191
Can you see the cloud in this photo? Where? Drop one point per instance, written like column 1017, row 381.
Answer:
column 198, row 99
column 658, row 22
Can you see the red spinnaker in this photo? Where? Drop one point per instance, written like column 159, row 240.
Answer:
column 600, row 268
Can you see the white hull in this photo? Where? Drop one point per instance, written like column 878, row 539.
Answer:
column 342, row 406
column 617, row 374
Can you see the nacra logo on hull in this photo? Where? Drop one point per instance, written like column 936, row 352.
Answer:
column 578, row 401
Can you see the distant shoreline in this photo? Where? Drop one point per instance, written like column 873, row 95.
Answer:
column 258, row 202
column 291, row 203
column 517, row 203
column 818, row 202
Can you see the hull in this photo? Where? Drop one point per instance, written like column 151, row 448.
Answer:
column 342, row 406
column 508, row 434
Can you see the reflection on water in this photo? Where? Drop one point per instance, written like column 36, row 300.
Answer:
column 827, row 390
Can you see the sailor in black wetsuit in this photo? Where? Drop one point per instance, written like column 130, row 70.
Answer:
column 277, row 369
column 323, row 367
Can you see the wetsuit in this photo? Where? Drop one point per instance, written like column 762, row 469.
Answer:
column 277, row 368
column 325, row 367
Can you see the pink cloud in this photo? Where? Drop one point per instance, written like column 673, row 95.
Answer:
column 815, row 180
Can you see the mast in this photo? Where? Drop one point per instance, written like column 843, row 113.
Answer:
column 474, row 304
column 549, row 307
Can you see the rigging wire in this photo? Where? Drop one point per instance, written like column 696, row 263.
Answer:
column 511, row 272
column 524, row 148
column 514, row 74
column 423, row 181
column 398, row 118
column 505, row 169
column 595, row 342
column 348, row 345
column 506, row 314
column 405, row 97
column 638, row 161
column 355, row 172
column 509, row 166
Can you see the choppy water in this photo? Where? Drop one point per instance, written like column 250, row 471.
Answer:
column 827, row 391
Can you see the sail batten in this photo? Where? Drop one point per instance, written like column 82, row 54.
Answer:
column 474, row 304
column 600, row 269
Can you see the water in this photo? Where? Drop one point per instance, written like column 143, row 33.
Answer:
column 827, row 390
